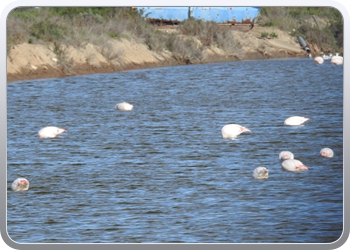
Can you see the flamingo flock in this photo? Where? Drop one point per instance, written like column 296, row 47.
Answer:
column 287, row 157
column 336, row 60
column 229, row 131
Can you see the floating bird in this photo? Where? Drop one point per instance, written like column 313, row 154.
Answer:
column 231, row 131
column 20, row 184
column 261, row 173
column 319, row 60
column 337, row 60
column 327, row 152
column 124, row 106
column 295, row 120
column 50, row 132
column 293, row 165
column 286, row 155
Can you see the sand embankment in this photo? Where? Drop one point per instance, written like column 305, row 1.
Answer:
column 34, row 61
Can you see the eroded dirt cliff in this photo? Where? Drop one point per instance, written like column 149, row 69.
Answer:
column 33, row 61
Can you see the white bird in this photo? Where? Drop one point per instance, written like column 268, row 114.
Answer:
column 50, row 132
column 327, row 152
column 261, row 173
column 286, row 155
column 295, row 120
column 337, row 60
column 231, row 131
column 293, row 165
column 124, row 106
column 20, row 184
column 319, row 60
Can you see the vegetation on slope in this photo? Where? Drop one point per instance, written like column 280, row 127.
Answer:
column 80, row 25
column 322, row 27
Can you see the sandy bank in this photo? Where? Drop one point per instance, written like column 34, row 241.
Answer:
column 34, row 61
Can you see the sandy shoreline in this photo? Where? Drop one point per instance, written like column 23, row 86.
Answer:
column 35, row 61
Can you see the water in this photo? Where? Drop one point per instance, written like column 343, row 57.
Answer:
column 162, row 173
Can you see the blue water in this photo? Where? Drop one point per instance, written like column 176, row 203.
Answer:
column 162, row 173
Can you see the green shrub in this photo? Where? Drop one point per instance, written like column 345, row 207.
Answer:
column 47, row 31
column 105, row 12
column 273, row 35
column 264, row 34
column 24, row 13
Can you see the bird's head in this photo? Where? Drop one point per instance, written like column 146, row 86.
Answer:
column 244, row 129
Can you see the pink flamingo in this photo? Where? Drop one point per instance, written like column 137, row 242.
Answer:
column 327, row 152
column 286, row 155
column 261, row 173
column 124, row 106
column 50, row 132
column 293, row 165
column 319, row 60
column 295, row 120
column 20, row 184
column 231, row 131
column 337, row 60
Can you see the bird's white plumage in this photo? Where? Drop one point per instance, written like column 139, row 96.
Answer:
column 286, row 155
column 50, row 132
column 327, row 152
column 261, row 173
column 20, row 184
column 337, row 60
column 293, row 165
column 319, row 60
column 124, row 106
column 295, row 120
column 231, row 131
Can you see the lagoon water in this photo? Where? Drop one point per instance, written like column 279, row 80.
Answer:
column 161, row 173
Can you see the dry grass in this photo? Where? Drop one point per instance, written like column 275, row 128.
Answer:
column 65, row 63
column 226, row 40
column 111, row 52
column 185, row 49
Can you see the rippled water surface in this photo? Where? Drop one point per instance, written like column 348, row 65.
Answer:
column 162, row 173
